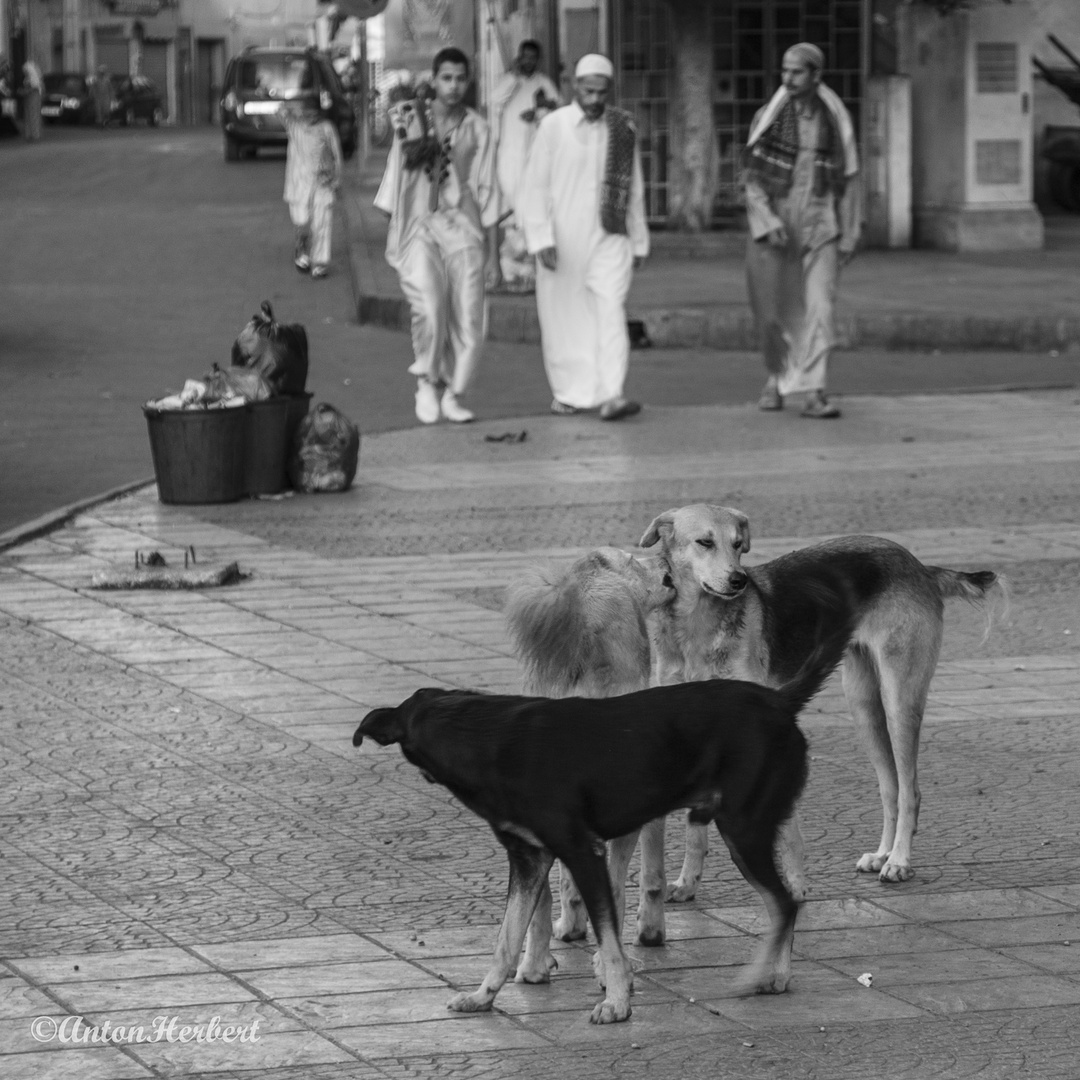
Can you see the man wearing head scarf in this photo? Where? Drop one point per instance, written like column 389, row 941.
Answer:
column 803, row 202
column 583, row 206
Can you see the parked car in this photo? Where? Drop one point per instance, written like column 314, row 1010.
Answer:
column 67, row 97
column 135, row 97
column 258, row 84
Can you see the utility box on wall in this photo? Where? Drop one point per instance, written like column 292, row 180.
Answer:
column 972, row 126
column 887, row 161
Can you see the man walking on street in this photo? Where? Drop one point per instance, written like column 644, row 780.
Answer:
column 442, row 196
column 584, row 217
column 523, row 97
column 803, row 203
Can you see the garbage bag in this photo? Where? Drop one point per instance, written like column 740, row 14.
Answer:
column 326, row 451
column 247, row 383
column 278, row 351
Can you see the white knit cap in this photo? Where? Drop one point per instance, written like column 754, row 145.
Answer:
column 594, row 64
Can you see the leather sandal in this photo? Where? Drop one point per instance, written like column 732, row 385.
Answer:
column 818, row 407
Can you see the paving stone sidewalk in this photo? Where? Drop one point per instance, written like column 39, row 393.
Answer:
column 189, row 834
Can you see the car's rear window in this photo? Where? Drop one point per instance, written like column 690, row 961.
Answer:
column 64, row 84
column 275, row 76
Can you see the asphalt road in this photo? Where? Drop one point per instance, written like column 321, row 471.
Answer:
column 133, row 257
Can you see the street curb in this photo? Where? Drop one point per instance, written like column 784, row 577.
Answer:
column 40, row 526
column 725, row 327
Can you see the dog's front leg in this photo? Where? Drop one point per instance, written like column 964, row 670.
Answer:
column 650, row 920
column 529, row 866
column 573, row 918
column 697, row 847
column 538, row 963
column 591, row 874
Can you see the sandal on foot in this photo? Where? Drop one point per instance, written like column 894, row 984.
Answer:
column 818, row 407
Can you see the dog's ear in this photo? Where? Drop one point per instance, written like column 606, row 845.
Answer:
column 742, row 523
column 661, row 527
column 385, row 726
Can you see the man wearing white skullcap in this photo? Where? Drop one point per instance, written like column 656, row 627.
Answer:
column 803, row 204
column 584, row 215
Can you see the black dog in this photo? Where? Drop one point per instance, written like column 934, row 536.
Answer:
column 557, row 778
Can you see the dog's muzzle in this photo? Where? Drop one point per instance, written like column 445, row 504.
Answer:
column 736, row 584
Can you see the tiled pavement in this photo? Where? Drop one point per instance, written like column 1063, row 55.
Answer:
column 187, row 832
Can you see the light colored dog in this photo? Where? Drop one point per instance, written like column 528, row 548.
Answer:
column 759, row 624
column 583, row 632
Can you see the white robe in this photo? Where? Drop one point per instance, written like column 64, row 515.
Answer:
column 582, row 303
column 515, row 95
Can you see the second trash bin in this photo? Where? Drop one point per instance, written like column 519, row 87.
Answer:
column 267, row 446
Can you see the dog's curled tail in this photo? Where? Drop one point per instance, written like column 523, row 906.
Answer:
column 578, row 632
column 976, row 587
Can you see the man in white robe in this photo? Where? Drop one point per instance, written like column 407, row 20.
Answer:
column 523, row 97
column 584, row 216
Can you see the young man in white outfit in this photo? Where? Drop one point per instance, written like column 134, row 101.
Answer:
column 442, row 195
column 584, row 214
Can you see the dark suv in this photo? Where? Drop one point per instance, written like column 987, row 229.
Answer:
column 259, row 81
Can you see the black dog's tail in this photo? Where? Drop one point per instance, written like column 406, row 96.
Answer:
column 819, row 665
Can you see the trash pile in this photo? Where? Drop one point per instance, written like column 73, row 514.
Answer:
column 245, row 429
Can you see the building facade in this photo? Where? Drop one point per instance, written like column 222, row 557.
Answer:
column 183, row 45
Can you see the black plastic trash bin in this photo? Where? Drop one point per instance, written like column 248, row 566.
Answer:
column 267, row 446
column 198, row 453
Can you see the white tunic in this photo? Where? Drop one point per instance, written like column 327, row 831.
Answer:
column 582, row 303
column 515, row 95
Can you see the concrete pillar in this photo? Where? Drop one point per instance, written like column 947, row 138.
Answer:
column 887, row 161
column 972, row 126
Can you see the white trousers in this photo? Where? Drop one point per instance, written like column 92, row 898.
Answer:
column 315, row 216
column 442, row 276
column 582, row 310
column 792, row 295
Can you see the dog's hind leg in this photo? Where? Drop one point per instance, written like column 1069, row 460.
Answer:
column 863, row 691
column 650, row 920
column 697, row 847
column 752, row 852
column 537, row 964
column 591, row 873
column 529, row 866
column 905, row 682
column 791, row 852
column 573, row 918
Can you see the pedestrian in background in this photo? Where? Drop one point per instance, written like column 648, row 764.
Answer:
column 584, row 214
column 442, row 195
column 803, row 203
column 313, row 166
column 102, row 96
column 523, row 97
column 32, row 86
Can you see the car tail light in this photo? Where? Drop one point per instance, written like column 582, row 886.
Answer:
column 231, row 104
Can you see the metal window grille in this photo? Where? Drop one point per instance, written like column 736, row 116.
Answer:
column 749, row 40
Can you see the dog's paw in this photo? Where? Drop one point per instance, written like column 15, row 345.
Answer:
column 569, row 929
column 892, row 873
column 755, row 982
column 871, row 862
column 477, row 1001
column 682, row 891
column 610, row 1012
column 537, row 972
column 651, row 937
